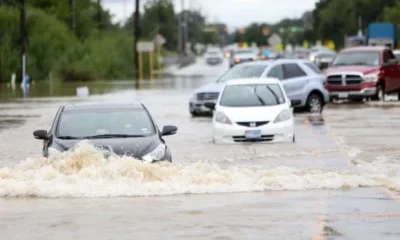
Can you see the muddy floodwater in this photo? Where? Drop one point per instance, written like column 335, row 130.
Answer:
column 340, row 180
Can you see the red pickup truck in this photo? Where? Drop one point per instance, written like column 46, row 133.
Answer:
column 359, row 73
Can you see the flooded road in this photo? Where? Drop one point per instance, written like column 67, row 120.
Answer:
column 340, row 180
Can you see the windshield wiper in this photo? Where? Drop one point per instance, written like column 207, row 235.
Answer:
column 67, row 137
column 113, row 136
column 259, row 98
column 273, row 93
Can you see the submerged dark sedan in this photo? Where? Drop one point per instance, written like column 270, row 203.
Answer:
column 122, row 129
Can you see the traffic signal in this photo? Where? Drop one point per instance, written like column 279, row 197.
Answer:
column 293, row 29
column 281, row 30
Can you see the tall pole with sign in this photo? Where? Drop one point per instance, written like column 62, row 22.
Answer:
column 136, row 35
column 23, row 40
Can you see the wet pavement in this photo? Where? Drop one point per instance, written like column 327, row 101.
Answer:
column 340, row 180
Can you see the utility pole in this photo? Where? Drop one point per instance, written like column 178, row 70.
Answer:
column 136, row 36
column 72, row 18
column 23, row 39
column 99, row 14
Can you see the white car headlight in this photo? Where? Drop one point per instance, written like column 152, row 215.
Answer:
column 156, row 155
column 372, row 77
column 283, row 116
column 53, row 151
column 222, row 118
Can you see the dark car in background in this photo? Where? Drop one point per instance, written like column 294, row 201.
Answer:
column 119, row 128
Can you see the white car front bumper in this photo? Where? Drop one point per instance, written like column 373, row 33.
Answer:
column 270, row 132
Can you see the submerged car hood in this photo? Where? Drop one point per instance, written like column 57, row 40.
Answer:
column 355, row 68
column 135, row 147
column 210, row 88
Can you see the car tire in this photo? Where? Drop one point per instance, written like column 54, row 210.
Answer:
column 294, row 138
column 194, row 114
column 380, row 93
column 314, row 103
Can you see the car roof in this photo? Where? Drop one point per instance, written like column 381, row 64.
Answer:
column 98, row 106
column 240, row 81
column 256, row 63
column 365, row 48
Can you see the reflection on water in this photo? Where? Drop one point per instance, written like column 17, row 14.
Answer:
column 45, row 89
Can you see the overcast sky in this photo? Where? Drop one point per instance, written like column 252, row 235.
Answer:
column 235, row 13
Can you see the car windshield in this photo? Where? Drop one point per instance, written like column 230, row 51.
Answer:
column 238, row 52
column 397, row 55
column 117, row 123
column 243, row 71
column 326, row 55
column 252, row 95
column 365, row 58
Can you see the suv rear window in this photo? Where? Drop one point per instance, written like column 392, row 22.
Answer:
column 312, row 67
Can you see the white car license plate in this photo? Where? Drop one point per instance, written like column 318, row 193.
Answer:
column 343, row 95
column 252, row 134
column 205, row 109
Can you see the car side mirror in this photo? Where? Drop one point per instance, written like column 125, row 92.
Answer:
column 392, row 61
column 295, row 102
column 169, row 130
column 40, row 134
column 210, row 105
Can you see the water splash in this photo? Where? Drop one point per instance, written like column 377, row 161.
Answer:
column 85, row 172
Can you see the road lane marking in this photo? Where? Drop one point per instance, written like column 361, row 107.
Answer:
column 322, row 203
column 348, row 159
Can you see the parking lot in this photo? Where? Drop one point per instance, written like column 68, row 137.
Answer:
column 338, row 180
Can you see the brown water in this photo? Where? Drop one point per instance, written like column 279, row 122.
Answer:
column 329, row 184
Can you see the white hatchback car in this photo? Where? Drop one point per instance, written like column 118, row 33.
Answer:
column 253, row 110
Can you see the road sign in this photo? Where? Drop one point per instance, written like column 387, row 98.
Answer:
column 265, row 31
column 145, row 46
column 306, row 44
column 160, row 40
column 274, row 40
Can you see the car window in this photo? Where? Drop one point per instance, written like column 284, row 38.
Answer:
column 397, row 55
column 276, row 72
column 252, row 95
column 292, row 70
column 55, row 120
column 312, row 67
column 97, row 122
column 386, row 56
column 243, row 71
column 362, row 58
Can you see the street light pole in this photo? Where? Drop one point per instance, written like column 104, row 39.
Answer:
column 23, row 39
column 136, row 36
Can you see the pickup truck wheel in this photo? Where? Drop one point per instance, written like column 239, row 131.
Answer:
column 314, row 103
column 380, row 93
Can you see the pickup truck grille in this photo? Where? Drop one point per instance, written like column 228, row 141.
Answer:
column 334, row 80
column 349, row 79
column 207, row 96
column 353, row 79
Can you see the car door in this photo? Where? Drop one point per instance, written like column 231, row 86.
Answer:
column 277, row 72
column 295, row 79
column 388, row 71
column 395, row 78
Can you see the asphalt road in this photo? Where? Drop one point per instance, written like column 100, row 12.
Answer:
column 340, row 180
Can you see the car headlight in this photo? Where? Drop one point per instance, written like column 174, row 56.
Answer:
column 222, row 118
column 237, row 59
column 283, row 116
column 156, row 155
column 255, row 58
column 373, row 77
column 312, row 58
column 53, row 151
